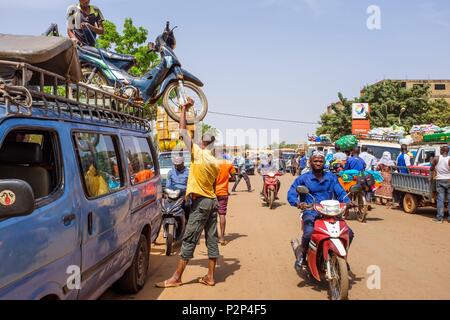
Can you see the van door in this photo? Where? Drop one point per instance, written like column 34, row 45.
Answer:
column 145, row 181
column 106, row 205
column 40, row 252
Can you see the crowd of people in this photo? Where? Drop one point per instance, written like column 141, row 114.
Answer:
column 205, row 185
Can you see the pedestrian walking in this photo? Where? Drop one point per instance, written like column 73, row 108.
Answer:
column 368, row 158
column 226, row 169
column 203, row 216
column 385, row 167
column 403, row 160
column 242, row 173
column 441, row 170
column 355, row 162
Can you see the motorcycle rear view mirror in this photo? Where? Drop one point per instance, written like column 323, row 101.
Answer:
column 302, row 190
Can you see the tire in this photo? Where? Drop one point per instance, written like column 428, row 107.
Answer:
column 97, row 80
column 361, row 213
column 168, row 102
column 410, row 203
column 169, row 240
column 134, row 278
column 339, row 287
column 271, row 199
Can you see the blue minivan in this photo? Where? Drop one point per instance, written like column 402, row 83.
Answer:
column 80, row 196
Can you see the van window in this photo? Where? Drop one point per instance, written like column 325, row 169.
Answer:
column 425, row 156
column 379, row 150
column 140, row 162
column 32, row 156
column 99, row 162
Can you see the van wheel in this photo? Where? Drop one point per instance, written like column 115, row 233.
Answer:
column 134, row 278
column 410, row 203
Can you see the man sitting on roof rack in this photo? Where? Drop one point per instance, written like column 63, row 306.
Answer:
column 84, row 23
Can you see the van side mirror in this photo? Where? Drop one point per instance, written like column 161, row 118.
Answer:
column 302, row 190
column 16, row 199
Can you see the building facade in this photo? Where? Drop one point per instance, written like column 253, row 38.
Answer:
column 439, row 89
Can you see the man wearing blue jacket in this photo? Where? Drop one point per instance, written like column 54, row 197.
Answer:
column 322, row 186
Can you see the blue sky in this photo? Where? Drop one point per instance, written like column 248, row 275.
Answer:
column 277, row 58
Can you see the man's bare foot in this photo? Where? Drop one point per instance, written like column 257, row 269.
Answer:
column 223, row 242
column 170, row 283
column 206, row 281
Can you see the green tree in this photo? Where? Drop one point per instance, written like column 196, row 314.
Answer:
column 132, row 41
column 438, row 113
column 340, row 122
column 390, row 104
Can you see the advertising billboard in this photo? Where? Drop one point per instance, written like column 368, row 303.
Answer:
column 360, row 111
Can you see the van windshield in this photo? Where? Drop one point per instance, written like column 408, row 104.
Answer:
column 165, row 160
column 379, row 150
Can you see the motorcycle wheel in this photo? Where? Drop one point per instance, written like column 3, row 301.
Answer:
column 96, row 79
column 271, row 199
column 361, row 212
column 173, row 108
column 169, row 240
column 93, row 79
column 339, row 285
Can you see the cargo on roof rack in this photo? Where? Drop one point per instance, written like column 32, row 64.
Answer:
column 63, row 98
column 55, row 54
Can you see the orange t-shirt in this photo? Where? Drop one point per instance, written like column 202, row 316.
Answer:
column 143, row 175
column 226, row 168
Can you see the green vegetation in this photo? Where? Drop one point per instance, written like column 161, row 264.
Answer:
column 390, row 104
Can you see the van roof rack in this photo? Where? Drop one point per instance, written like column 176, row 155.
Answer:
column 77, row 101
column 378, row 137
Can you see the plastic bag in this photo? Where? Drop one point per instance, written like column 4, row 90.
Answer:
column 347, row 142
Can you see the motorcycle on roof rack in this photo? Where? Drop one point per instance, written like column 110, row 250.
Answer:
column 108, row 70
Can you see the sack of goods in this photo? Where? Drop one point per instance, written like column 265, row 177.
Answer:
column 347, row 142
column 430, row 133
column 390, row 132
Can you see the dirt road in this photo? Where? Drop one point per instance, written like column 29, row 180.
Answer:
column 412, row 253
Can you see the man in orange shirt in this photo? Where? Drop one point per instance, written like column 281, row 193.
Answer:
column 226, row 169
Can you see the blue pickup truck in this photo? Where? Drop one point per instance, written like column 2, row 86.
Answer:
column 80, row 192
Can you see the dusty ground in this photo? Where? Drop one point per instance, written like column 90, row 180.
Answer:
column 412, row 253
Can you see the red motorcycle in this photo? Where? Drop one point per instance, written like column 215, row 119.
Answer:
column 328, row 249
column 271, row 187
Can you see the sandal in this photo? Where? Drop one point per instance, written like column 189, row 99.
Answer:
column 203, row 281
column 164, row 284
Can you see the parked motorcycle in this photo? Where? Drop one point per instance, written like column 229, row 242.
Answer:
column 270, row 188
column 173, row 218
column 328, row 249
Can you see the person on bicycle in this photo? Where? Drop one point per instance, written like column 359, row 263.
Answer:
column 84, row 23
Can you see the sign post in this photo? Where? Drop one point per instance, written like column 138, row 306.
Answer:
column 360, row 118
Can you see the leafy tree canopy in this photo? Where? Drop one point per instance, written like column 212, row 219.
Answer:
column 132, row 41
column 390, row 104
